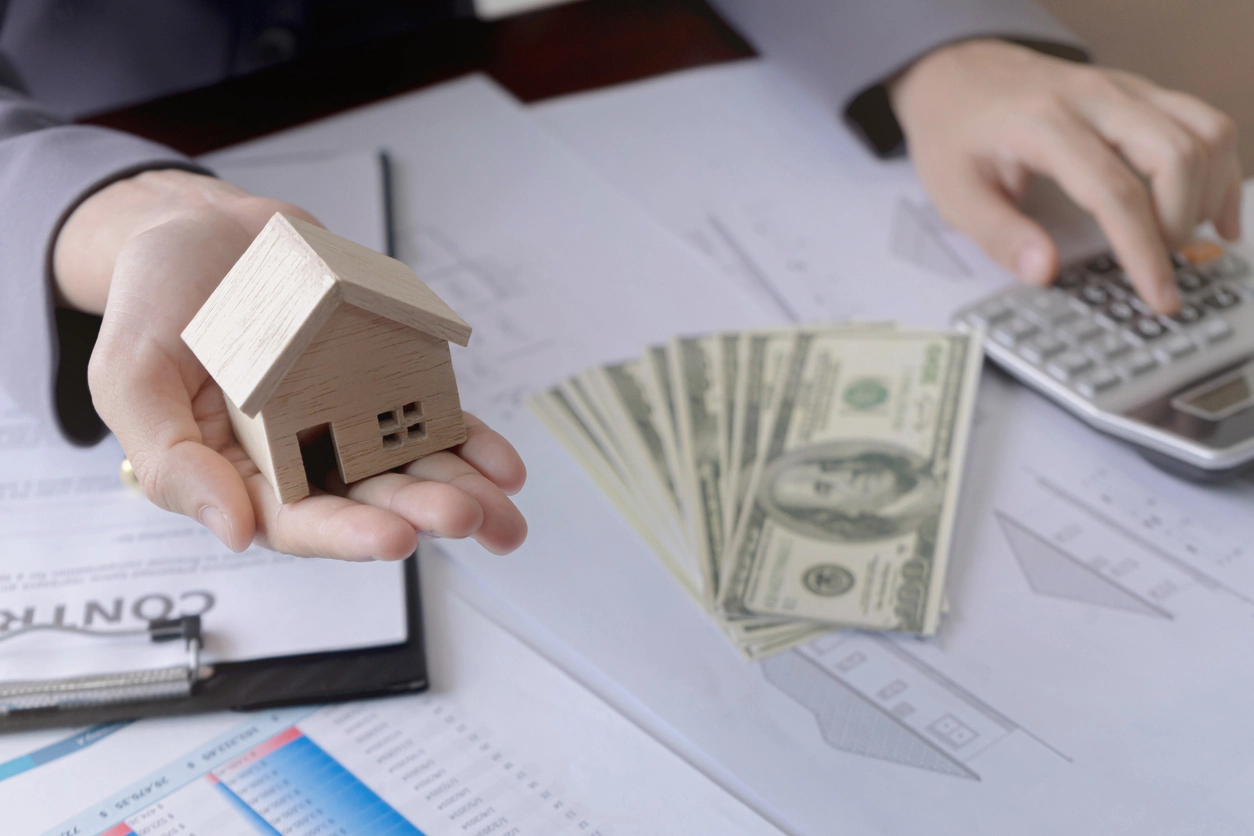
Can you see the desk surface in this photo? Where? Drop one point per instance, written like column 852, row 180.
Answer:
column 536, row 55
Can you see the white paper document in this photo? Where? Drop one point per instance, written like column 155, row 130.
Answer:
column 1056, row 697
column 553, row 269
column 767, row 182
column 345, row 192
column 81, row 550
column 1090, row 677
column 503, row 743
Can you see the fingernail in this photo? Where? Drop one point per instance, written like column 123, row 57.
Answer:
column 1032, row 264
column 212, row 519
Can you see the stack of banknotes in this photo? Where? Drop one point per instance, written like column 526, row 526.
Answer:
column 791, row 481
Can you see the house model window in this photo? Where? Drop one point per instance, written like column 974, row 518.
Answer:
column 402, row 426
column 295, row 334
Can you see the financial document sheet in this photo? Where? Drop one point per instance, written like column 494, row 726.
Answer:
column 767, row 182
column 1089, row 676
column 503, row 743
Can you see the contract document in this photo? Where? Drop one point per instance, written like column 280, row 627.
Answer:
column 81, row 550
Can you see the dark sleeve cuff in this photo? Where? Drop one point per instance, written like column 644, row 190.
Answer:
column 44, row 175
column 870, row 113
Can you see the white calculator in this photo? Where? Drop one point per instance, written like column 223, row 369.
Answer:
column 1180, row 388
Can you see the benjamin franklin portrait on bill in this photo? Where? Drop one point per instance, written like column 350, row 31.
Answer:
column 851, row 491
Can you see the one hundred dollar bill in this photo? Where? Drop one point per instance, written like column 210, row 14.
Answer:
column 568, row 424
column 637, row 425
column 850, row 508
column 695, row 373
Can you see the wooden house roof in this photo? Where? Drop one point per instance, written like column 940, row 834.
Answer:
column 284, row 288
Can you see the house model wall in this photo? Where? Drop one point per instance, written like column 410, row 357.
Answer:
column 309, row 330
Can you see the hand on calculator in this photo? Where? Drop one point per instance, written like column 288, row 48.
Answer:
column 981, row 117
column 1180, row 387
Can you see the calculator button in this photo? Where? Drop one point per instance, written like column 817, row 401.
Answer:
column 1013, row 330
column 1188, row 314
column 1068, row 365
column 1225, row 266
column 1070, row 278
column 1190, row 281
column 1148, row 329
column 1120, row 312
column 1214, row 331
column 1137, row 363
column 1222, row 298
column 1098, row 381
column 1094, row 295
column 1042, row 348
column 1102, row 264
column 987, row 315
column 1080, row 330
column 1108, row 346
column 1118, row 291
column 1048, row 308
column 1139, row 305
column 1176, row 347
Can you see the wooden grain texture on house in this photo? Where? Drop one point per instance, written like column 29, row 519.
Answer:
column 309, row 331
column 263, row 315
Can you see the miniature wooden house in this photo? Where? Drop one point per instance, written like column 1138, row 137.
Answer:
column 309, row 330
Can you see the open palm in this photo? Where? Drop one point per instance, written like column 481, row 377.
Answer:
column 171, row 418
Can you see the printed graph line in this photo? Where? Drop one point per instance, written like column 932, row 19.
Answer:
column 754, row 270
column 871, row 696
column 1053, row 571
column 963, row 694
column 917, row 235
column 1209, row 581
column 782, row 671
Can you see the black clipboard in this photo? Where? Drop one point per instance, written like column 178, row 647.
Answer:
column 266, row 683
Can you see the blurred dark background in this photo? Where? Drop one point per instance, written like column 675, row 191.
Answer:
column 535, row 55
column 1200, row 46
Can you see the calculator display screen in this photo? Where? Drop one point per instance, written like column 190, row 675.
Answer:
column 1222, row 397
column 1217, row 412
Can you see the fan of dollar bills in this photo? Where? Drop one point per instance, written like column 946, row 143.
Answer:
column 791, row 481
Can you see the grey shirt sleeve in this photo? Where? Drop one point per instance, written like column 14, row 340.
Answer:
column 844, row 50
column 46, row 170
